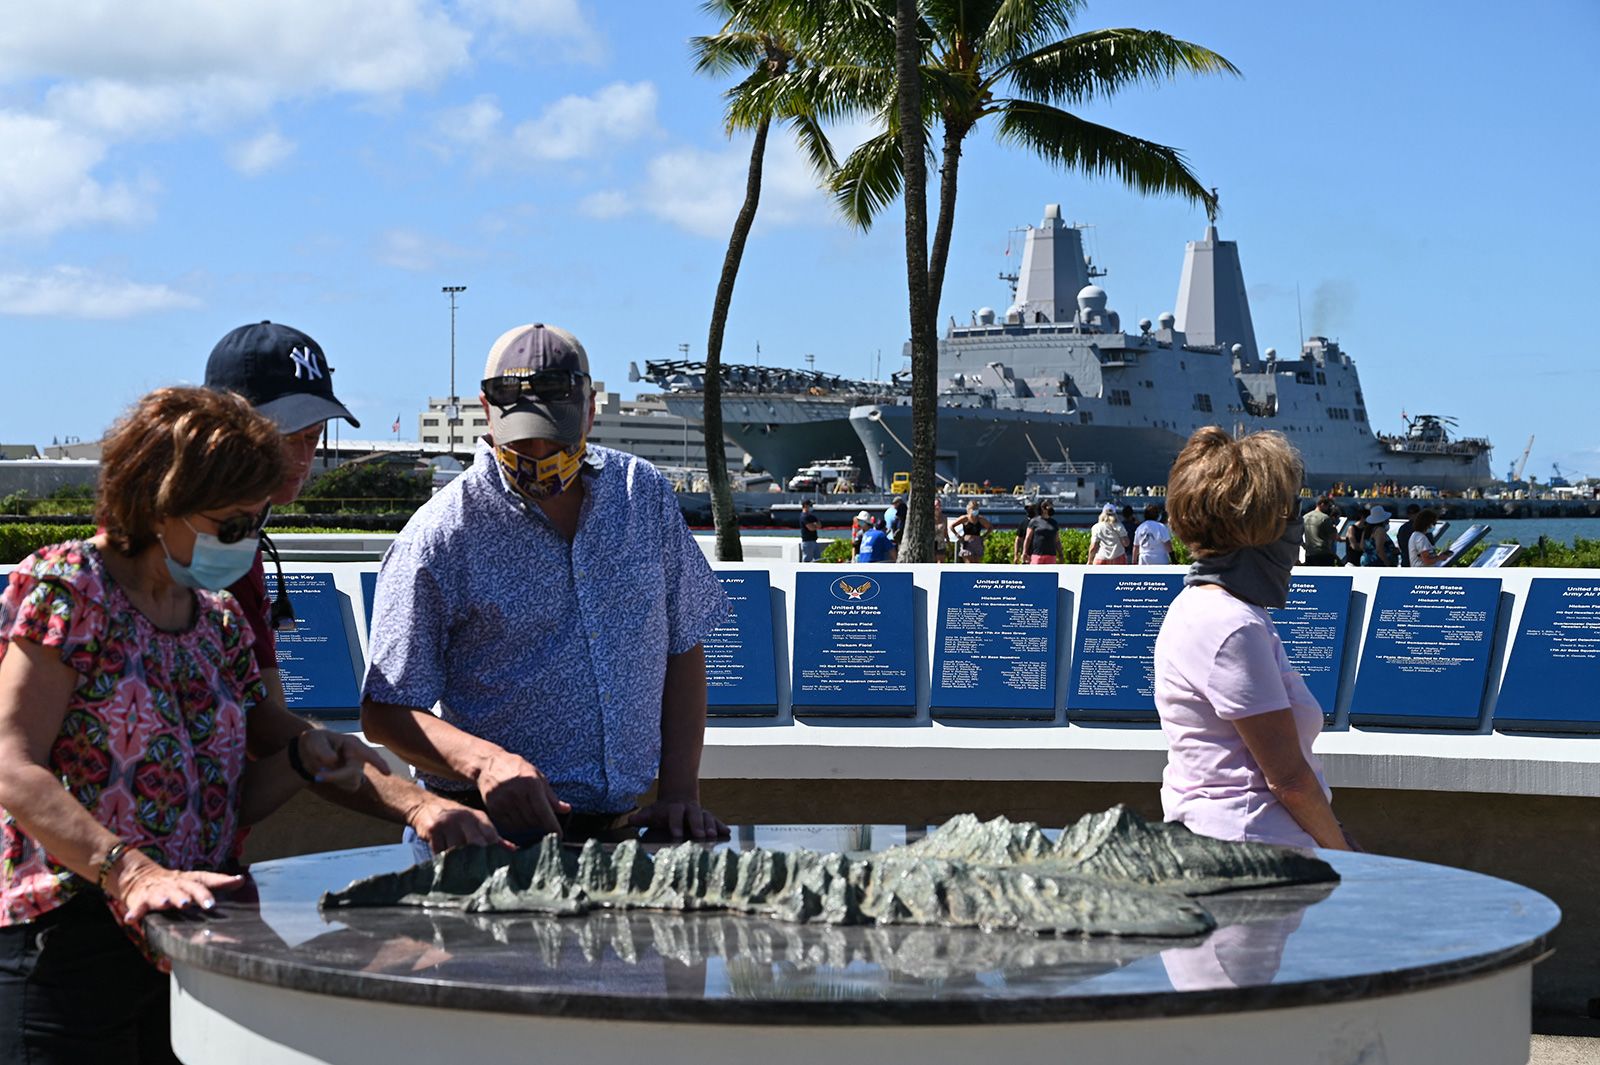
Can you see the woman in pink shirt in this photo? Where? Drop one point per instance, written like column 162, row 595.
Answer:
column 1238, row 718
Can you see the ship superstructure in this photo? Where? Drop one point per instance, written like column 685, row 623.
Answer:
column 1057, row 375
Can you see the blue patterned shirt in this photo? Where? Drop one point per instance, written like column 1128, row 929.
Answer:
column 552, row 650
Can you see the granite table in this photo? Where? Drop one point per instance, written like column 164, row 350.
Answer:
column 1399, row 962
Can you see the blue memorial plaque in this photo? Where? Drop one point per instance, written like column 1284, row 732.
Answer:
column 854, row 651
column 314, row 657
column 369, row 592
column 1312, row 625
column 1554, row 670
column 1113, row 656
column 995, row 645
column 1426, row 656
column 741, row 679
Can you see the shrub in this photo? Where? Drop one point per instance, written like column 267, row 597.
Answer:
column 17, row 542
column 366, row 487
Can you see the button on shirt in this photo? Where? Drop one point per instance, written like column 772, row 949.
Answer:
column 554, row 651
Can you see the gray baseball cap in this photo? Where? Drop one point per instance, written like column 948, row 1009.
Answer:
column 524, row 351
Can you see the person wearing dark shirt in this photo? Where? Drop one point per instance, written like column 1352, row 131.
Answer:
column 1029, row 512
column 810, row 525
column 1403, row 537
column 876, row 546
column 1321, row 536
column 1042, row 542
column 285, row 375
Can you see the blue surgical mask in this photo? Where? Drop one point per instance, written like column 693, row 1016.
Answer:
column 214, row 564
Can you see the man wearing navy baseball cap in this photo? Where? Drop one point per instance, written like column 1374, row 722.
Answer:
column 285, row 375
column 552, row 601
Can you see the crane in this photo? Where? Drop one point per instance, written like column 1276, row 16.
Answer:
column 1522, row 463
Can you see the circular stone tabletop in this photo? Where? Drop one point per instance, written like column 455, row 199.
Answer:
column 1390, row 926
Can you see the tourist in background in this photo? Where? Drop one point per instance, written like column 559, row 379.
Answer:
column 972, row 530
column 1042, row 542
column 1108, row 541
column 1029, row 512
column 876, row 544
column 1152, row 540
column 858, row 527
column 1321, row 538
column 1402, row 536
column 1130, row 524
column 1238, row 718
column 941, row 532
column 126, row 678
column 1418, row 548
column 810, row 527
column 1355, row 539
column 1377, row 549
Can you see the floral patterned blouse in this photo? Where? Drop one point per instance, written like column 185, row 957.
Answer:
column 153, row 742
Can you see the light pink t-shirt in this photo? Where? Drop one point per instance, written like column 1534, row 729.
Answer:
column 1219, row 659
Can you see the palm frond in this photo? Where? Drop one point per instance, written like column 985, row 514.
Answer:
column 815, row 145
column 1099, row 151
column 869, row 179
column 729, row 50
column 1019, row 26
column 1101, row 62
column 828, row 93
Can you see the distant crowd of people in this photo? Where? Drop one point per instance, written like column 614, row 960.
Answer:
column 1366, row 539
column 1118, row 537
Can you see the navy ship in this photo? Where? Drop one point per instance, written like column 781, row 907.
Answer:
column 1056, row 378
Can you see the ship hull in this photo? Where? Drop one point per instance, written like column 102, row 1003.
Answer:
column 996, row 444
column 783, row 433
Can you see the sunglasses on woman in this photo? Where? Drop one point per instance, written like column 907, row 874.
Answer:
column 546, row 386
column 242, row 526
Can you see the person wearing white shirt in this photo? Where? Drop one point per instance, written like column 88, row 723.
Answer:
column 1419, row 549
column 1152, row 541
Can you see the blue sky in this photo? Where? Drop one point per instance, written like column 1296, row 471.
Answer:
column 169, row 169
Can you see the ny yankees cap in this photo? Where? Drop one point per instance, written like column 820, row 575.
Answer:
column 281, row 371
column 528, row 349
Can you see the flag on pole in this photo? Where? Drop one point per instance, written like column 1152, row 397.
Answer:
column 395, row 429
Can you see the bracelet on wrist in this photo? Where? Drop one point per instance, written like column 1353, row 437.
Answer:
column 293, row 752
column 109, row 863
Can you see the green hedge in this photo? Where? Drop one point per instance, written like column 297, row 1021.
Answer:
column 18, row 541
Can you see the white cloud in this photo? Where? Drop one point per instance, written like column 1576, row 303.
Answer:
column 46, row 181
column 73, row 292
column 578, row 127
column 573, row 127
column 608, row 204
column 407, row 249
column 292, row 47
column 560, row 20
column 260, row 154
column 700, row 190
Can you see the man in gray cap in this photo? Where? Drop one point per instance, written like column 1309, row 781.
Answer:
column 285, row 375
column 552, row 603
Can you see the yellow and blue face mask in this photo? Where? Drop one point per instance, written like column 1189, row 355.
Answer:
column 538, row 479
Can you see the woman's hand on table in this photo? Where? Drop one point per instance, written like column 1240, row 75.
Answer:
column 143, row 886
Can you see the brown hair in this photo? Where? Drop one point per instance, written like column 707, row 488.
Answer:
column 1424, row 519
column 1224, row 494
column 181, row 451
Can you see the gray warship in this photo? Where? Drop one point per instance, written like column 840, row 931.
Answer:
column 1056, row 378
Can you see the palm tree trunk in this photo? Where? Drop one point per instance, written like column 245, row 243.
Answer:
column 917, row 542
column 948, row 168
column 729, row 549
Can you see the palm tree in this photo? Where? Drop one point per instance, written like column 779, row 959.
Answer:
column 917, row 540
column 980, row 50
column 1016, row 60
column 752, row 38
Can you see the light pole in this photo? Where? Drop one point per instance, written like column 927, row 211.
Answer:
column 452, row 409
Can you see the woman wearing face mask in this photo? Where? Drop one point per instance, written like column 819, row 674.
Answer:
column 1238, row 718
column 124, row 684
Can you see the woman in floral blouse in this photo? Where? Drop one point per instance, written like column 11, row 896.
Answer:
column 124, row 684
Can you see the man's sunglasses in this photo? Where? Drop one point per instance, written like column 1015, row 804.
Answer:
column 242, row 526
column 547, row 386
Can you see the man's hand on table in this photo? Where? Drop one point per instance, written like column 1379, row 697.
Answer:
column 680, row 819
column 444, row 824
column 517, row 797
